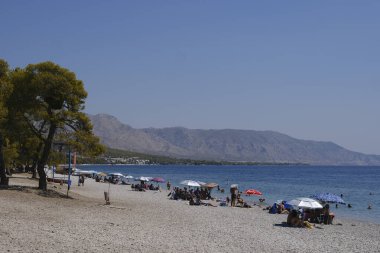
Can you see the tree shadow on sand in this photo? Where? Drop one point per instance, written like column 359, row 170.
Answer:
column 29, row 189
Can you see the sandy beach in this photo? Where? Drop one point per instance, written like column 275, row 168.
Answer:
column 33, row 221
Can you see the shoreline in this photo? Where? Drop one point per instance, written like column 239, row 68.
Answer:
column 149, row 222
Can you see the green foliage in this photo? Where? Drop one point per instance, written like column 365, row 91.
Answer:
column 43, row 104
column 6, row 150
column 5, row 90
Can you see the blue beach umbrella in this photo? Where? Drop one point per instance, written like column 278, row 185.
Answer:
column 328, row 197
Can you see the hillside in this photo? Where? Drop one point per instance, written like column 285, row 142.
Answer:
column 224, row 145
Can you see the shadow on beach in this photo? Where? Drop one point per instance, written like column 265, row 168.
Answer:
column 30, row 189
column 282, row 224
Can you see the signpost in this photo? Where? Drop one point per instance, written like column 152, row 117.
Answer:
column 69, row 173
column 60, row 146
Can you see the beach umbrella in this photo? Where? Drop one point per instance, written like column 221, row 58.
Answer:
column 210, row 185
column 116, row 174
column 305, row 203
column 102, row 174
column 201, row 183
column 190, row 183
column 128, row 177
column 144, row 179
column 158, row 180
column 252, row 192
column 328, row 197
column 234, row 186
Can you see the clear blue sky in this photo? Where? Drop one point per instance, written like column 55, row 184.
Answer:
column 309, row 69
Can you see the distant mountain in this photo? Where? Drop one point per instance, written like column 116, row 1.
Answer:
column 224, row 145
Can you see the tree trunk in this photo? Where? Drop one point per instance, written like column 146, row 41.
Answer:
column 33, row 169
column 44, row 158
column 34, row 165
column 3, row 177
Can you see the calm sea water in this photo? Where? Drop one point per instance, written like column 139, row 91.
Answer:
column 278, row 182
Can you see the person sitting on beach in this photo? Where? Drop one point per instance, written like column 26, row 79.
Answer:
column 240, row 201
column 197, row 192
column 198, row 201
column 273, row 209
column 294, row 219
column 281, row 208
column 208, row 194
column 327, row 215
column 246, row 205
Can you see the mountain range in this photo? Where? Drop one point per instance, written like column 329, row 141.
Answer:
column 224, row 145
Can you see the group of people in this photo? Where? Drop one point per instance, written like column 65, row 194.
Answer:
column 144, row 186
column 278, row 208
column 190, row 194
column 236, row 199
column 304, row 218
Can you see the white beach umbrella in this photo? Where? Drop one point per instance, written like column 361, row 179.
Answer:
column 305, row 203
column 145, row 179
column 128, row 177
column 234, row 186
column 190, row 183
column 116, row 174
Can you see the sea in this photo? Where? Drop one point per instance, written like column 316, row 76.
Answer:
column 359, row 185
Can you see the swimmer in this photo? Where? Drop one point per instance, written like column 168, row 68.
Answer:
column 349, row 206
column 369, row 206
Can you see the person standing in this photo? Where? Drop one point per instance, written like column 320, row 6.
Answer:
column 82, row 180
column 233, row 196
column 168, row 185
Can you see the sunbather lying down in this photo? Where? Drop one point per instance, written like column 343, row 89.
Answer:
column 242, row 203
column 208, row 204
column 198, row 202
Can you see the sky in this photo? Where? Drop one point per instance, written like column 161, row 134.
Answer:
column 309, row 69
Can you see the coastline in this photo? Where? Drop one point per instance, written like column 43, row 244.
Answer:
column 150, row 222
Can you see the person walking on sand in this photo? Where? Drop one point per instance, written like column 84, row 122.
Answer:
column 233, row 196
column 168, row 185
column 82, row 180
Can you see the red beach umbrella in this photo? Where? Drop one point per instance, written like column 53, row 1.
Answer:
column 252, row 192
column 158, row 180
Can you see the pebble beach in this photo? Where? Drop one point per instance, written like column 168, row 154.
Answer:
column 35, row 221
